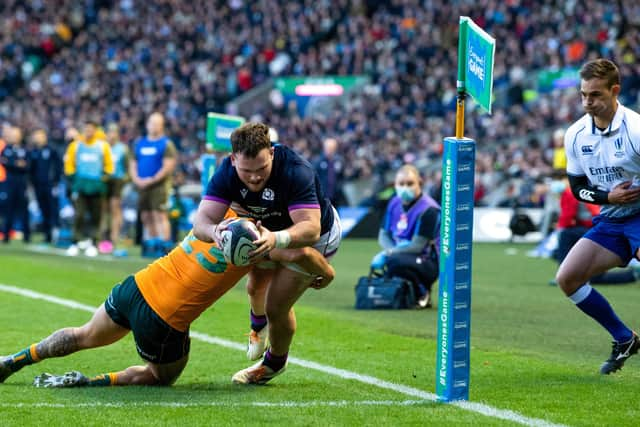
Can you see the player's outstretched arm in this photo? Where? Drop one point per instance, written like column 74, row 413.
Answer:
column 208, row 217
column 150, row 374
column 310, row 260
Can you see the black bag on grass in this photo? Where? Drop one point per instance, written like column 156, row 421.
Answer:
column 378, row 291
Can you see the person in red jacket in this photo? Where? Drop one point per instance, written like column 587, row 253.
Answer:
column 575, row 219
column 3, row 178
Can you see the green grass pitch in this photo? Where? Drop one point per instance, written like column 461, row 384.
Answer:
column 534, row 358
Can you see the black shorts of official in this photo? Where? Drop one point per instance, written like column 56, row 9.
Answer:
column 156, row 341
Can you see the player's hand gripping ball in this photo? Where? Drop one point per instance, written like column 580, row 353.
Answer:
column 237, row 241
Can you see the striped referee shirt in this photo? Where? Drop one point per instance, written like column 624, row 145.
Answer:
column 606, row 157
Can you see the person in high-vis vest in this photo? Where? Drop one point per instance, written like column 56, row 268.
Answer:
column 3, row 178
column 152, row 164
column 88, row 164
column 3, row 171
column 120, row 155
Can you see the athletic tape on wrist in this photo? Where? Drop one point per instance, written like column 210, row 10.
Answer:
column 283, row 238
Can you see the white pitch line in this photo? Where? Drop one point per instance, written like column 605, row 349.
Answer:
column 476, row 407
column 285, row 404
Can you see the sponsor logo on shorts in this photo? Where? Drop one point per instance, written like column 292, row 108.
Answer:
column 146, row 355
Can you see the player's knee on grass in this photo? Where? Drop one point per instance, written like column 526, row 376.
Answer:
column 167, row 374
column 167, row 379
column 138, row 375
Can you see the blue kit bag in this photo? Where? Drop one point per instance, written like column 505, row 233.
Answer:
column 379, row 291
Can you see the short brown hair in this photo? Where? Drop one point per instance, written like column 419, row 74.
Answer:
column 410, row 169
column 250, row 138
column 601, row 69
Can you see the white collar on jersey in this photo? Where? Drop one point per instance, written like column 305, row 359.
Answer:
column 613, row 127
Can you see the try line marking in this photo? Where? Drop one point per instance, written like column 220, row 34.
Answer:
column 285, row 404
column 479, row 408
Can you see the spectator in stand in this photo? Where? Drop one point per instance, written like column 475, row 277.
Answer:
column 407, row 49
column 559, row 155
column 15, row 159
column 329, row 166
column 45, row 172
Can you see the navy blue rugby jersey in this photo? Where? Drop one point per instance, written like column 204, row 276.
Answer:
column 293, row 184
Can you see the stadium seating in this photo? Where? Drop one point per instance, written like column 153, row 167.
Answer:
column 186, row 58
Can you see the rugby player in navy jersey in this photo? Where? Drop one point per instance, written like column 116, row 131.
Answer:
column 281, row 191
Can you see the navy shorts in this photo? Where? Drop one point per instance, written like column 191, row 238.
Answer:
column 619, row 235
column 156, row 341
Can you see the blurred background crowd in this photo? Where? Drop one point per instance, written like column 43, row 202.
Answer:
column 64, row 62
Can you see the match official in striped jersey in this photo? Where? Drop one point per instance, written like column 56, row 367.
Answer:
column 603, row 166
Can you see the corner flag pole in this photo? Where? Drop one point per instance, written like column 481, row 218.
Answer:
column 475, row 76
column 460, row 84
column 460, row 115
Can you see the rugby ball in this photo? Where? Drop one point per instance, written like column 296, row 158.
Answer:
column 237, row 241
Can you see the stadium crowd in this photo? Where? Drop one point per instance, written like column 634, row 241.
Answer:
column 127, row 59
